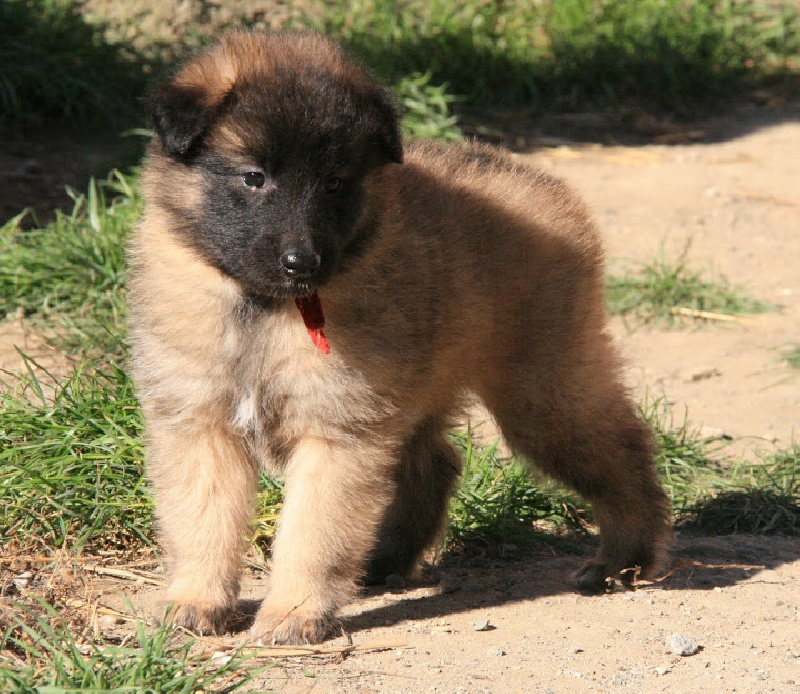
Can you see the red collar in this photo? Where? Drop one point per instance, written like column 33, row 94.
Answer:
column 311, row 311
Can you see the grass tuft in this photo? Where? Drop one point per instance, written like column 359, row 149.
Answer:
column 687, row 462
column 791, row 355
column 499, row 502
column 759, row 499
column 653, row 292
column 55, row 64
column 426, row 108
column 71, row 466
column 40, row 652
column 69, row 277
column 668, row 55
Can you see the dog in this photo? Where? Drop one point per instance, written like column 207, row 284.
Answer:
column 308, row 295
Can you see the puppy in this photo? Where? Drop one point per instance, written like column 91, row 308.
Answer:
column 309, row 297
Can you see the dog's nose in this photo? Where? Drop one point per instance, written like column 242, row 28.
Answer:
column 300, row 265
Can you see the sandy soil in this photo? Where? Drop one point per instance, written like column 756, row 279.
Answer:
column 738, row 203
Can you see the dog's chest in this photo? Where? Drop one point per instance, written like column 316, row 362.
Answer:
column 288, row 388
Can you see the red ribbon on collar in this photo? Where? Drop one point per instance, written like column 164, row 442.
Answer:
column 311, row 310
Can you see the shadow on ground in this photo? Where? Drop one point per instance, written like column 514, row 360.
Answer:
column 711, row 562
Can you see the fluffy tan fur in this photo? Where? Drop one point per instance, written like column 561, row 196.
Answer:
column 483, row 276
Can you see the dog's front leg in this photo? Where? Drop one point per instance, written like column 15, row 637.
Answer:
column 205, row 483
column 336, row 495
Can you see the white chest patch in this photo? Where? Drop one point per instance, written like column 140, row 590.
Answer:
column 245, row 417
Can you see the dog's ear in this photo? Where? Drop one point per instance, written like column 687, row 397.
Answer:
column 386, row 125
column 184, row 108
column 180, row 117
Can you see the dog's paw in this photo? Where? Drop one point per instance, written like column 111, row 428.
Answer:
column 289, row 625
column 596, row 576
column 199, row 619
column 593, row 578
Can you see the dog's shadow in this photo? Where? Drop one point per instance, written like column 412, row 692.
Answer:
column 717, row 562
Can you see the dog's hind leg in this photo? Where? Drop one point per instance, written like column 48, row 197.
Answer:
column 424, row 478
column 574, row 420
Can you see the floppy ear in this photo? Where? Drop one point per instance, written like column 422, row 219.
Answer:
column 387, row 127
column 183, row 108
column 180, row 115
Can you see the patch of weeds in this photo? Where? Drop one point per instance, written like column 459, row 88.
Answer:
column 759, row 499
column 685, row 459
column 500, row 501
column 503, row 501
column 714, row 497
column 55, row 64
column 40, row 652
column 268, row 507
column 669, row 54
column 670, row 293
column 426, row 108
column 71, row 465
column 577, row 54
column 70, row 275
column 791, row 355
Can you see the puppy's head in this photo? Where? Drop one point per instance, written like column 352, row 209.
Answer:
column 278, row 133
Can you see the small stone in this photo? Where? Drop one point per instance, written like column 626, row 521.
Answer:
column 482, row 625
column 682, row 645
column 30, row 167
column 702, row 373
column 661, row 671
column 221, row 658
column 509, row 550
column 23, row 580
column 497, row 651
column 395, row 581
column 109, row 621
column 450, row 585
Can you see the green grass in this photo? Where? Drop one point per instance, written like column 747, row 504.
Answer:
column 71, row 464
column 499, row 502
column 668, row 55
column 57, row 65
column 653, row 292
column 711, row 495
column 426, row 108
column 761, row 499
column 791, row 355
column 688, row 463
column 58, row 659
column 676, row 56
column 68, row 278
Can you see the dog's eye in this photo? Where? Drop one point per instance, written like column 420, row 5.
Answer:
column 254, row 179
column 333, row 184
